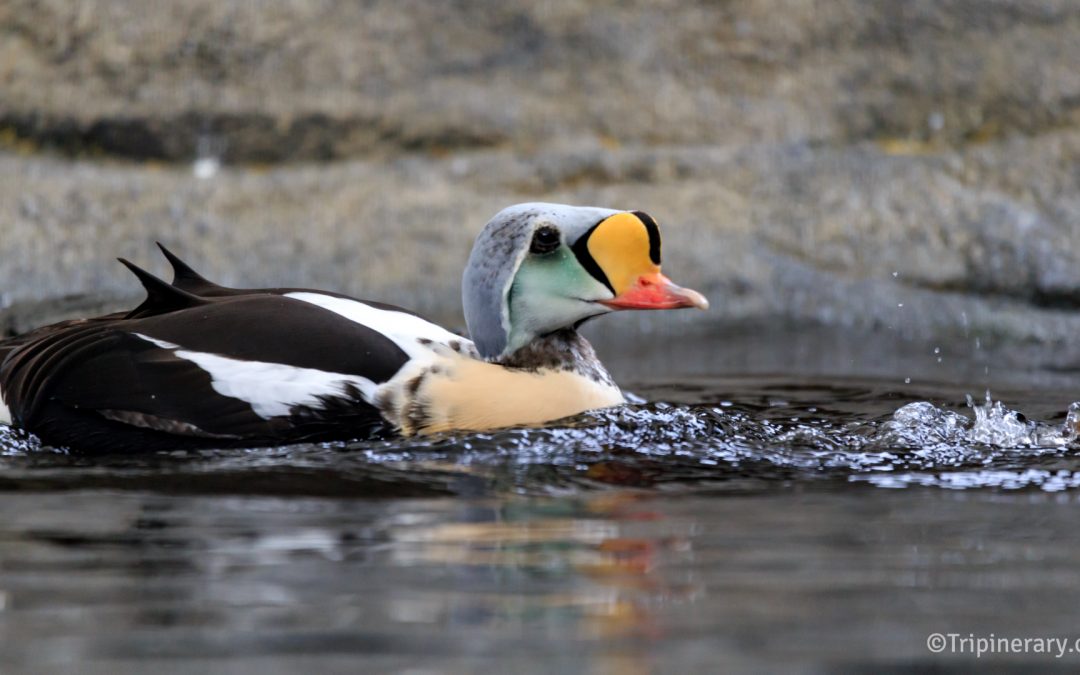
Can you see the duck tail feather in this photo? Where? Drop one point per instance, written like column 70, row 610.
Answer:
column 184, row 277
column 161, row 297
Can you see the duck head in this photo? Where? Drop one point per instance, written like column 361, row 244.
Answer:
column 537, row 268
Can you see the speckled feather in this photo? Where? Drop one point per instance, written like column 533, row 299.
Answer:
column 496, row 256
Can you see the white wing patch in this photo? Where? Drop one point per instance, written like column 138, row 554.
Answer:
column 271, row 389
column 403, row 329
column 156, row 342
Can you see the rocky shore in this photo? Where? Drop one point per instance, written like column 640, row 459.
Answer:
column 912, row 168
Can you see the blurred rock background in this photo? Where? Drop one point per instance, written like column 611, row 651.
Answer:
column 907, row 169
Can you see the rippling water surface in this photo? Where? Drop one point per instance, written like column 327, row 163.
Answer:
column 732, row 435
column 752, row 522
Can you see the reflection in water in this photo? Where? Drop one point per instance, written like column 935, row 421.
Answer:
column 548, row 543
column 99, row 578
column 740, row 526
column 612, row 582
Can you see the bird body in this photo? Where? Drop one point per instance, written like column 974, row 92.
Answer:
column 198, row 364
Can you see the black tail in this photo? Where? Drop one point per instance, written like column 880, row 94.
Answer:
column 161, row 298
column 187, row 279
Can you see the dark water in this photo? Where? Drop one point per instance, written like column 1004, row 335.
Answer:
column 754, row 522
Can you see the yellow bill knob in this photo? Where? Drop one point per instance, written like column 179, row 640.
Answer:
column 626, row 247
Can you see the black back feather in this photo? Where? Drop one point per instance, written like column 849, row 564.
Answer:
column 106, row 383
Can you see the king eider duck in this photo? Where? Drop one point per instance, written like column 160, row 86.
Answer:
column 202, row 365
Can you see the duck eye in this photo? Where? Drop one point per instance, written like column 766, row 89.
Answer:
column 545, row 240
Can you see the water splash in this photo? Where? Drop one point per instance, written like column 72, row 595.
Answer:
column 765, row 439
column 656, row 445
column 17, row 442
column 1072, row 423
column 999, row 426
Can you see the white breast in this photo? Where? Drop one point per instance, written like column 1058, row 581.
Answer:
column 458, row 392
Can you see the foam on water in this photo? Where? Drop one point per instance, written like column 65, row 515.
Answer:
column 752, row 442
column 16, row 442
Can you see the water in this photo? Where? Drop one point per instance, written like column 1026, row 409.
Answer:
column 751, row 522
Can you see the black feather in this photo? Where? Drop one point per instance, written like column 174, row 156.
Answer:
column 186, row 278
column 161, row 298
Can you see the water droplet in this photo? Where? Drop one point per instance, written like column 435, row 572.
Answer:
column 937, row 350
column 899, row 304
column 895, row 274
column 907, row 380
column 1072, row 422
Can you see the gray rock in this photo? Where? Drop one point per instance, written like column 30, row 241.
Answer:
column 908, row 168
column 285, row 79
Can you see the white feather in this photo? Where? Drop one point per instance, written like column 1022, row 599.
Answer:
column 271, row 389
column 5, row 414
column 157, row 342
column 405, row 330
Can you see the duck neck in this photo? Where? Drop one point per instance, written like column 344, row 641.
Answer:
column 562, row 350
